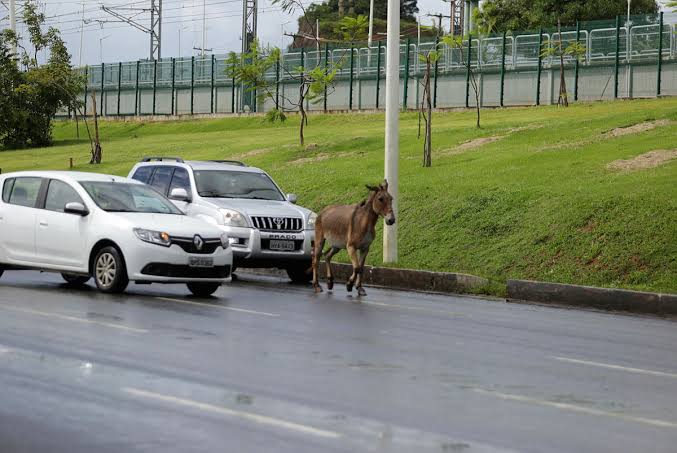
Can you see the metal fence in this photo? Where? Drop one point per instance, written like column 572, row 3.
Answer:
column 635, row 59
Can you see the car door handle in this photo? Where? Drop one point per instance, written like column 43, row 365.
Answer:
column 43, row 223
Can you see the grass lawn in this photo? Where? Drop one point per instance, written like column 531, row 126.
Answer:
column 534, row 199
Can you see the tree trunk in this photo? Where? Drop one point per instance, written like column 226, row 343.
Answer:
column 303, row 112
column 96, row 152
column 341, row 8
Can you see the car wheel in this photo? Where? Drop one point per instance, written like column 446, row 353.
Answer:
column 299, row 272
column 203, row 289
column 2, row 271
column 110, row 273
column 75, row 280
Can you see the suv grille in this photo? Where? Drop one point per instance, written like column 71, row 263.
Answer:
column 285, row 224
column 209, row 246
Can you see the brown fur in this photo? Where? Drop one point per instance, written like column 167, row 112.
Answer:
column 351, row 227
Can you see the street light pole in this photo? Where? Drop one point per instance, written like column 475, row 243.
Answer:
column 204, row 26
column 628, row 44
column 12, row 21
column 392, row 145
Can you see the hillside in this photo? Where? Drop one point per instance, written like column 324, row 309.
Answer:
column 537, row 193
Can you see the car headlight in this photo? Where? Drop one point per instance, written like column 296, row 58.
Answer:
column 225, row 243
column 233, row 218
column 154, row 237
column 311, row 219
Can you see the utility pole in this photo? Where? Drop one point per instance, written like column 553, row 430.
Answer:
column 82, row 32
column 439, row 21
column 12, row 21
column 455, row 16
column 249, row 20
column 204, row 26
column 392, row 139
column 155, row 30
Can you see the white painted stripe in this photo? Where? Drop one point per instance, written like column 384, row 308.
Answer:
column 580, row 409
column 222, row 307
column 616, row 367
column 72, row 318
column 419, row 309
column 4, row 350
column 262, row 419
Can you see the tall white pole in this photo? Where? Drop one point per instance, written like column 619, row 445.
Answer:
column 204, row 26
column 392, row 151
column 628, row 45
column 12, row 21
column 371, row 32
column 317, row 37
column 82, row 32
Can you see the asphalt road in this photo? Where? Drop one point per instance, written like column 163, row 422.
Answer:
column 271, row 367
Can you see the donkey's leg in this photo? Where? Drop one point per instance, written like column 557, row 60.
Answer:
column 317, row 253
column 327, row 260
column 354, row 259
column 363, row 257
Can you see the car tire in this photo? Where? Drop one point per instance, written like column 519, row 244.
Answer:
column 203, row 289
column 298, row 273
column 2, row 271
column 110, row 272
column 75, row 280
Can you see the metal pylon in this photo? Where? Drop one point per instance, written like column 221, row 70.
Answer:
column 249, row 19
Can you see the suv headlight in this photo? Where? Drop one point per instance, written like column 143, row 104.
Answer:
column 225, row 243
column 311, row 219
column 154, row 237
column 233, row 218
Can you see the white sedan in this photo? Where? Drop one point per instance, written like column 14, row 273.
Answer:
column 114, row 229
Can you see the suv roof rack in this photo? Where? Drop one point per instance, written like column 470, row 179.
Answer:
column 230, row 162
column 161, row 159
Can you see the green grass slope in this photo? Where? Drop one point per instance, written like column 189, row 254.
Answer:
column 533, row 200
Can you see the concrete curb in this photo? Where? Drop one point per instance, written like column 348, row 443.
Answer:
column 402, row 279
column 591, row 297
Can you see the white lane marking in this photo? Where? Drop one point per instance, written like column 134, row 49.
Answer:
column 241, row 310
column 575, row 408
column 404, row 307
column 4, row 350
column 262, row 419
column 72, row 318
column 616, row 367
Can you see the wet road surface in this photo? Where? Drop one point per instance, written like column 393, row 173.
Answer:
column 270, row 367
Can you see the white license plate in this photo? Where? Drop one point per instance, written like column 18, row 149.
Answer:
column 284, row 246
column 200, row 261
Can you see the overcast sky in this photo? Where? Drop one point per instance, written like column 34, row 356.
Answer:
column 182, row 24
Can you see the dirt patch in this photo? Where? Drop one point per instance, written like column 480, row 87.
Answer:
column 253, row 152
column 588, row 227
column 320, row 157
column 643, row 161
column 636, row 129
column 471, row 145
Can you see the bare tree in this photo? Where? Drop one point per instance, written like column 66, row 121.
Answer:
column 429, row 58
column 555, row 48
column 456, row 42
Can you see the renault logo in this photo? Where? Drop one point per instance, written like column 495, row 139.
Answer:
column 278, row 222
column 198, row 242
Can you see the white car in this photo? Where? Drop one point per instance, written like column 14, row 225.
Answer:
column 266, row 227
column 114, row 229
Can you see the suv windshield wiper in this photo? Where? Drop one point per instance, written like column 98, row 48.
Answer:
column 213, row 194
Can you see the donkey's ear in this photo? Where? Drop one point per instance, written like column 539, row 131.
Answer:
column 385, row 184
column 371, row 188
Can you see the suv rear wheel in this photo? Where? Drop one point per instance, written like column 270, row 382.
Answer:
column 203, row 289
column 75, row 280
column 299, row 273
column 110, row 272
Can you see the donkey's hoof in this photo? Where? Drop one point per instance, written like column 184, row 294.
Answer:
column 317, row 289
column 349, row 288
column 361, row 292
column 330, row 285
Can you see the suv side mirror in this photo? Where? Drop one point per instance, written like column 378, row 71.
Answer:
column 179, row 194
column 292, row 198
column 76, row 208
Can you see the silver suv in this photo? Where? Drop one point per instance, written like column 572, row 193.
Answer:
column 265, row 227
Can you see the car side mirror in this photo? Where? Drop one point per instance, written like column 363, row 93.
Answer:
column 76, row 208
column 292, row 198
column 179, row 194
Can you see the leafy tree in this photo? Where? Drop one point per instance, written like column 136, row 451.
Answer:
column 32, row 96
column 557, row 48
column 532, row 14
column 251, row 68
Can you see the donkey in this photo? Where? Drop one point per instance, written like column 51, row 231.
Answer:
column 350, row 227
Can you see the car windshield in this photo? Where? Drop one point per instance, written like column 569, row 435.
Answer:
column 128, row 197
column 236, row 184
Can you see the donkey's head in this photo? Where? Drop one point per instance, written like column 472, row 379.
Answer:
column 382, row 202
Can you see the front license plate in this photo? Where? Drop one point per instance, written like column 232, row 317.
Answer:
column 284, row 246
column 200, row 261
